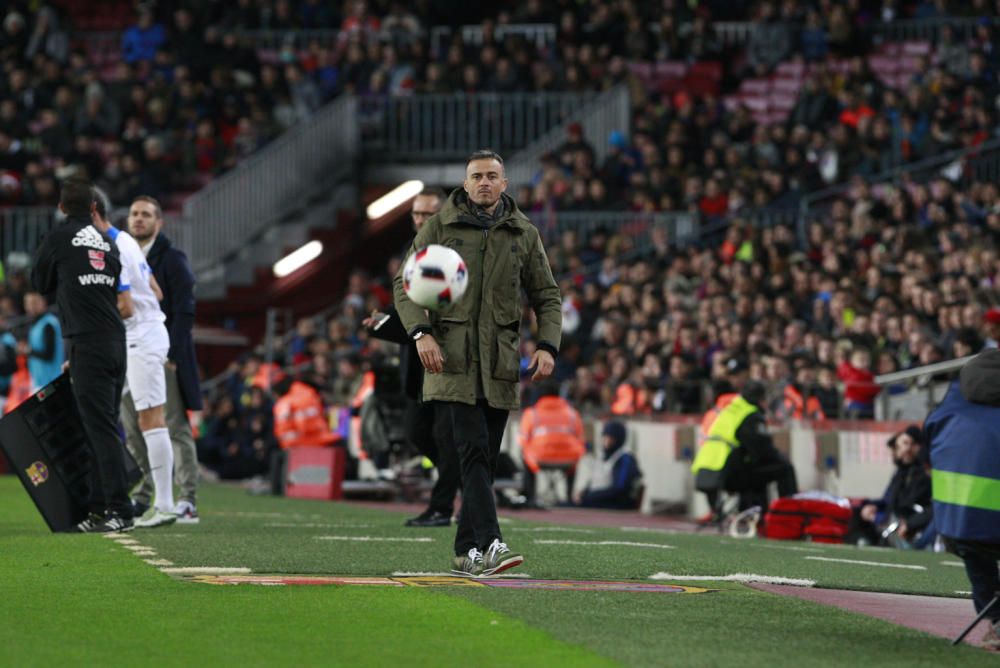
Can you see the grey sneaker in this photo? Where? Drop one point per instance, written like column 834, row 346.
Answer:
column 468, row 565
column 157, row 518
column 187, row 513
column 500, row 558
column 991, row 640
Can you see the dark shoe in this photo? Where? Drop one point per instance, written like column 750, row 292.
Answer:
column 139, row 508
column 90, row 524
column 430, row 518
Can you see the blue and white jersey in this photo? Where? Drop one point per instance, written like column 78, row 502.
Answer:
column 136, row 274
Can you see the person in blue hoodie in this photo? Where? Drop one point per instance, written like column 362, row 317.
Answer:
column 615, row 478
column 964, row 433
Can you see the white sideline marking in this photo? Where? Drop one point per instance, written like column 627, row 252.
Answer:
column 669, row 532
column 376, row 539
column 959, row 564
column 205, row 570
column 791, row 547
column 963, row 593
column 316, row 525
column 145, row 553
column 557, row 529
column 425, row 574
column 159, row 562
column 127, row 541
column 869, row 563
column 625, row 543
column 137, row 547
column 738, row 577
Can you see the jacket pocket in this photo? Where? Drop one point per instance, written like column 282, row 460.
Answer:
column 508, row 359
column 452, row 334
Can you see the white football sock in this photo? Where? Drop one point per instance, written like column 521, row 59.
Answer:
column 161, row 467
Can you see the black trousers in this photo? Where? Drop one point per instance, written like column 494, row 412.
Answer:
column 476, row 432
column 97, row 369
column 751, row 479
column 982, row 565
column 422, row 431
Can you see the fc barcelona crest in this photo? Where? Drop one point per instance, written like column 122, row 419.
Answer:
column 38, row 473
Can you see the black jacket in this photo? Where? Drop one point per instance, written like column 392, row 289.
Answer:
column 173, row 273
column 81, row 266
column 411, row 370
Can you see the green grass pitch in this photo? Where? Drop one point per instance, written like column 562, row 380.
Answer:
column 87, row 600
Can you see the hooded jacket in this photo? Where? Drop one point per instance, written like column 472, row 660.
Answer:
column 479, row 335
column 964, row 436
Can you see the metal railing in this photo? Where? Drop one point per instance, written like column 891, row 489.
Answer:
column 22, row 228
column 639, row 228
column 599, row 116
column 258, row 192
column 542, row 35
column 962, row 166
column 927, row 30
column 449, row 126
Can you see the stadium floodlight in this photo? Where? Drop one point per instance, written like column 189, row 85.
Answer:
column 395, row 197
column 298, row 259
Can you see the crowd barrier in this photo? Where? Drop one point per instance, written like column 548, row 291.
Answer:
column 847, row 458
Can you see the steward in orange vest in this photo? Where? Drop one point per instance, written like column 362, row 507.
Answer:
column 551, row 434
column 300, row 418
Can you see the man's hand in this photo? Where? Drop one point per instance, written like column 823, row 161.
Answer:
column 430, row 354
column 904, row 530
column 868, row 512
column 577, row 498
column 172, row 365
column 65, row 366
column 543, row 364
column 373, row 319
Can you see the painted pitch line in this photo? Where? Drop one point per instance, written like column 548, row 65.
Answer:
column 127, row 541
column 316, row 525
column 205, row 570
column 137, row 547
column 958, row 564
column 668, row 532
column 159, row 562
column 737, row 577
column 376, row 539
column 794, row 548
column 963, row 593
column 427, row 574
column 869, row 563
column 557, row 530
column 624, row 543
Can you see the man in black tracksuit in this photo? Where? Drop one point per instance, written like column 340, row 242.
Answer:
column 81, row 266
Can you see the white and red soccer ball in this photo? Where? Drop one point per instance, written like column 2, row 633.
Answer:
column 434, row 277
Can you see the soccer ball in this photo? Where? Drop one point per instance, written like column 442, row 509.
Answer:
column 434, row 277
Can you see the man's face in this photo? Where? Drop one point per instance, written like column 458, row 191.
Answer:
column 905, row 449
column 424, row 206
column 484, row 181
column 607, row 442
column 143, row 222
column 34, row 304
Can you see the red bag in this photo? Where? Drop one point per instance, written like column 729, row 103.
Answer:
column 815, row 516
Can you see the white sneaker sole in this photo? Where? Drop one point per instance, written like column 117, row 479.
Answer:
column 504, row 565
column 158, row 520
column 188, row 520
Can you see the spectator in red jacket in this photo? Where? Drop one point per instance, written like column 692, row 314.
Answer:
column 860, row 389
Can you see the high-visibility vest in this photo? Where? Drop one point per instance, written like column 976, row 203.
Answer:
column 551, row 433
column 299, row 420
column 630, row 400
column 798, row 408
column 20, row 386
column 965, row 460
column 42, row 371
column 720, row 404
column 711, row 459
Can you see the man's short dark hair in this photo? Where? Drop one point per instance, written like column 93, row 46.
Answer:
column 150, row 200
column 484, row 154
column 433, row 191
column 76, row 196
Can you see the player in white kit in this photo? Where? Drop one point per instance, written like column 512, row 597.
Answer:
column 147, row 343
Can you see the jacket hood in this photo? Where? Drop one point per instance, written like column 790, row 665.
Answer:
column 980, row 378
column 459, row 208
column 616, row 430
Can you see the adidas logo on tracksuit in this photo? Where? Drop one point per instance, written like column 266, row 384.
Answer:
column 89, row 237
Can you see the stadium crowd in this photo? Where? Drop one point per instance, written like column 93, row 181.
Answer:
column 889, row 277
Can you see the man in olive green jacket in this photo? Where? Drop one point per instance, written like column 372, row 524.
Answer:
column 470, row 348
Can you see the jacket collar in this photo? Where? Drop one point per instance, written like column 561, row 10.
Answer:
column 458, row 209
column 160, row 245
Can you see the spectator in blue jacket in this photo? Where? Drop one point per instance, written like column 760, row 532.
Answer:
column 614, row 481
column 141, row 41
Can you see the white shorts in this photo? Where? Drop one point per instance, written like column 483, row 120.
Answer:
column 145, row 373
